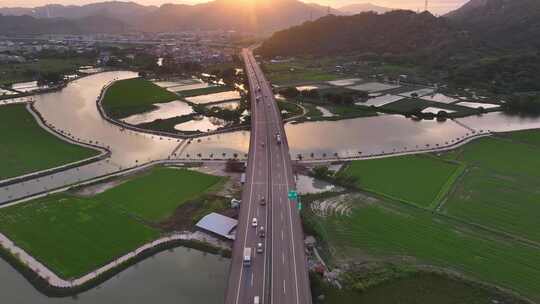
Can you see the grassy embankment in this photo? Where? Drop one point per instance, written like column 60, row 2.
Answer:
column 27, row 148
column 472, row 210
column 133, row 96
column 22, row 72
column 74, row 234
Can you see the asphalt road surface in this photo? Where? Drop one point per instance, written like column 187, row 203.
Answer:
column 279, row 274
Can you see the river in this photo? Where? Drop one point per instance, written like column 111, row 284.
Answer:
column 182, row 276
column 371, row 135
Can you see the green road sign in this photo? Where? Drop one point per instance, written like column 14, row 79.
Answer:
column 293, row 195
column 299, row 206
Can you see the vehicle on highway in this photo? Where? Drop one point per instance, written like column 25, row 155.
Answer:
column 258, row 98
column 262, row 232
column 260, row 248
column 263, row 201
column 278, row 138
column 256, row 300
column 262, row 144
column 254, row 222
column 247, row 256
column 243, row 178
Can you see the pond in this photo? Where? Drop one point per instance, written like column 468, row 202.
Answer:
column 309, row 185
column 164, row 111
column 228, row 105
column 181, row 276
column 215, row 97
column 201, row 123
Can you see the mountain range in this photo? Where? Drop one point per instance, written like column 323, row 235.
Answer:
column 256, row 16
column 479, row 24
column 395, row 32
column 357, row 8
column 501, row 23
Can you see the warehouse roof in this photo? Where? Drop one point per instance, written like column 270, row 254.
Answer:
column 218, row 224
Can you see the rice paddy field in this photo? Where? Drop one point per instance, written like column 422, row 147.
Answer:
column 473, row 210
column 417, row 179
column 300, row 71
column 415, row 289
column 501, row 189
column 413, row 235
column 134, row 96
column 74, row 234
column 27, row 148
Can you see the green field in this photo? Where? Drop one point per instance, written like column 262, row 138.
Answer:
column 21, row 72
column 531, row 137
column 501, row 188
column 27, row 148
column 414, row 289
column 417, row 179
column 204, row 91
column 155, row 196
column 74, row 235
column 395, row 230
column 133, row 96
column 301, row 71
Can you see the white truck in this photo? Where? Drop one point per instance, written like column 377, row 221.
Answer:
column 247, row 256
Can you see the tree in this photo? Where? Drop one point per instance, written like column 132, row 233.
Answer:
column 290, row 92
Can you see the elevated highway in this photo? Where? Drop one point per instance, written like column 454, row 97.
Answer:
column 278, row 274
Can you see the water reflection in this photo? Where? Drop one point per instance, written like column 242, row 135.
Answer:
column 73, row 111
column 164, row 111
column 500, row 122
column 180, row 276
column 308, row 185
column 201, row 123
column 215, row 97
column 372, row 135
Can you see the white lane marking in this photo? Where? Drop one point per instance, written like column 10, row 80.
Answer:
column 283, row 257
column 284, row 292
column 254, row 142
column 289, row 207
column 252, row 275
column 282, row 235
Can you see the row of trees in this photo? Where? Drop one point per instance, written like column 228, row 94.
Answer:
column 337, row 97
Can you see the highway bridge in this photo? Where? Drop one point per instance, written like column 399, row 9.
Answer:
column 278, row 274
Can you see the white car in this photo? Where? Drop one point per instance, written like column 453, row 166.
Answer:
column 254, row 222
column 260, row 248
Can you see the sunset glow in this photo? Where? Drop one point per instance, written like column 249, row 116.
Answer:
column 436, row 6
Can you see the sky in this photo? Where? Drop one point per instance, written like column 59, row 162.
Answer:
column 436, row 6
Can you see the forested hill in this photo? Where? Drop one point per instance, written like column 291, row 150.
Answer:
column 31, row 26
column 501, row 23
column 396, row 32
